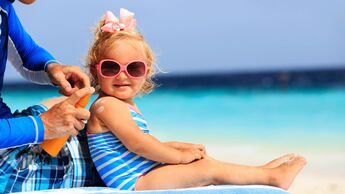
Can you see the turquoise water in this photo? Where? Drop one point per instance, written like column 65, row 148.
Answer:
column 296, row 118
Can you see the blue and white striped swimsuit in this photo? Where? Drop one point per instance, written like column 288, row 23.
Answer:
column 118, row 167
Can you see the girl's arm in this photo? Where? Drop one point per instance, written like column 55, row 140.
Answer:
column 116, row 116
column 184, row 145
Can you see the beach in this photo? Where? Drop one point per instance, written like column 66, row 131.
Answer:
column 248, row 127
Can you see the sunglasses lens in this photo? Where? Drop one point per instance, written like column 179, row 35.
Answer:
column 136, row 69
column 110, row 68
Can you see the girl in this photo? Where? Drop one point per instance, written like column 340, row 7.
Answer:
column 126, row 155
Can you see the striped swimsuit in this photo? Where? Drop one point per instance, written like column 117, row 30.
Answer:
column 118, row 167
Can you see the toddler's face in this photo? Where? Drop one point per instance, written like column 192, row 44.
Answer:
column 122, row 86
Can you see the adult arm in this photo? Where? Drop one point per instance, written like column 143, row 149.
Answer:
column 21, row 131
column 29, row 59
column 60, row 120
column 37, row 65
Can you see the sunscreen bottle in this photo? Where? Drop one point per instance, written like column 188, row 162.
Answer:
column 53, row 146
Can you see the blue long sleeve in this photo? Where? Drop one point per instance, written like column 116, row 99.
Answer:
column 30, row 60
column 25, row 55
column 21, row 131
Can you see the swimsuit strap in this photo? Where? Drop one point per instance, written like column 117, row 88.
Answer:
column 134, row 109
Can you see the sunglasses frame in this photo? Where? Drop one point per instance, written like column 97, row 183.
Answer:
column 123, row 68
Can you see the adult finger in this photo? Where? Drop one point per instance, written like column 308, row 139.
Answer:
column 76, row 96
column 78, row 125
column 74, row 132
column 82, row 114
column 79, row 78
column 61, row 81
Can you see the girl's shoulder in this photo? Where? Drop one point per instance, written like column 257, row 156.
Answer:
column 105, row 110
column 107, row 102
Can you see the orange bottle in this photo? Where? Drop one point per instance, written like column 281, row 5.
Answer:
column 53, row 146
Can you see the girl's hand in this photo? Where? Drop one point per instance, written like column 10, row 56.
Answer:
column 199, row 147
column 183, row 146
column 189, row 155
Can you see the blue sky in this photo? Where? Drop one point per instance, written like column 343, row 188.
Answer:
column 201, row 36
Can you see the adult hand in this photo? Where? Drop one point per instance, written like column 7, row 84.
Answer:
column 64, row 118
column 68, row 78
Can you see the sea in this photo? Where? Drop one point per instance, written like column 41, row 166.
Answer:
column 300, row 118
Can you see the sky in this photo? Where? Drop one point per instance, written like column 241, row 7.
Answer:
column 201, row 36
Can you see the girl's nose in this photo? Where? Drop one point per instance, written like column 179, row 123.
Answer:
column 122, row 75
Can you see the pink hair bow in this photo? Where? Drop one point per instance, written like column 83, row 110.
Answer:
column 112, row 24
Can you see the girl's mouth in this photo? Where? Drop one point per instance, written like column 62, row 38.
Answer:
column 121, row 85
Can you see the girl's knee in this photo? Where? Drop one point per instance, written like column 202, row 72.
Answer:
column 210, row 167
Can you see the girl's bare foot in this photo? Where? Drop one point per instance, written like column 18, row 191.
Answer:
column 277, row 162
column 283, row 175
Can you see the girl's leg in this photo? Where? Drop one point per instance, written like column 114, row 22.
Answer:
column 212, row 172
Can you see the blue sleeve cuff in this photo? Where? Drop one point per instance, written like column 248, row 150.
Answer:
column 40, row 129
column 48, row 63
column 44, row 107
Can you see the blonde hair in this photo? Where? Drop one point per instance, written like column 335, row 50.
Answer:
column 105, row 40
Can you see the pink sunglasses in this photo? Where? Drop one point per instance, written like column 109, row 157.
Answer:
column 110, row 68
